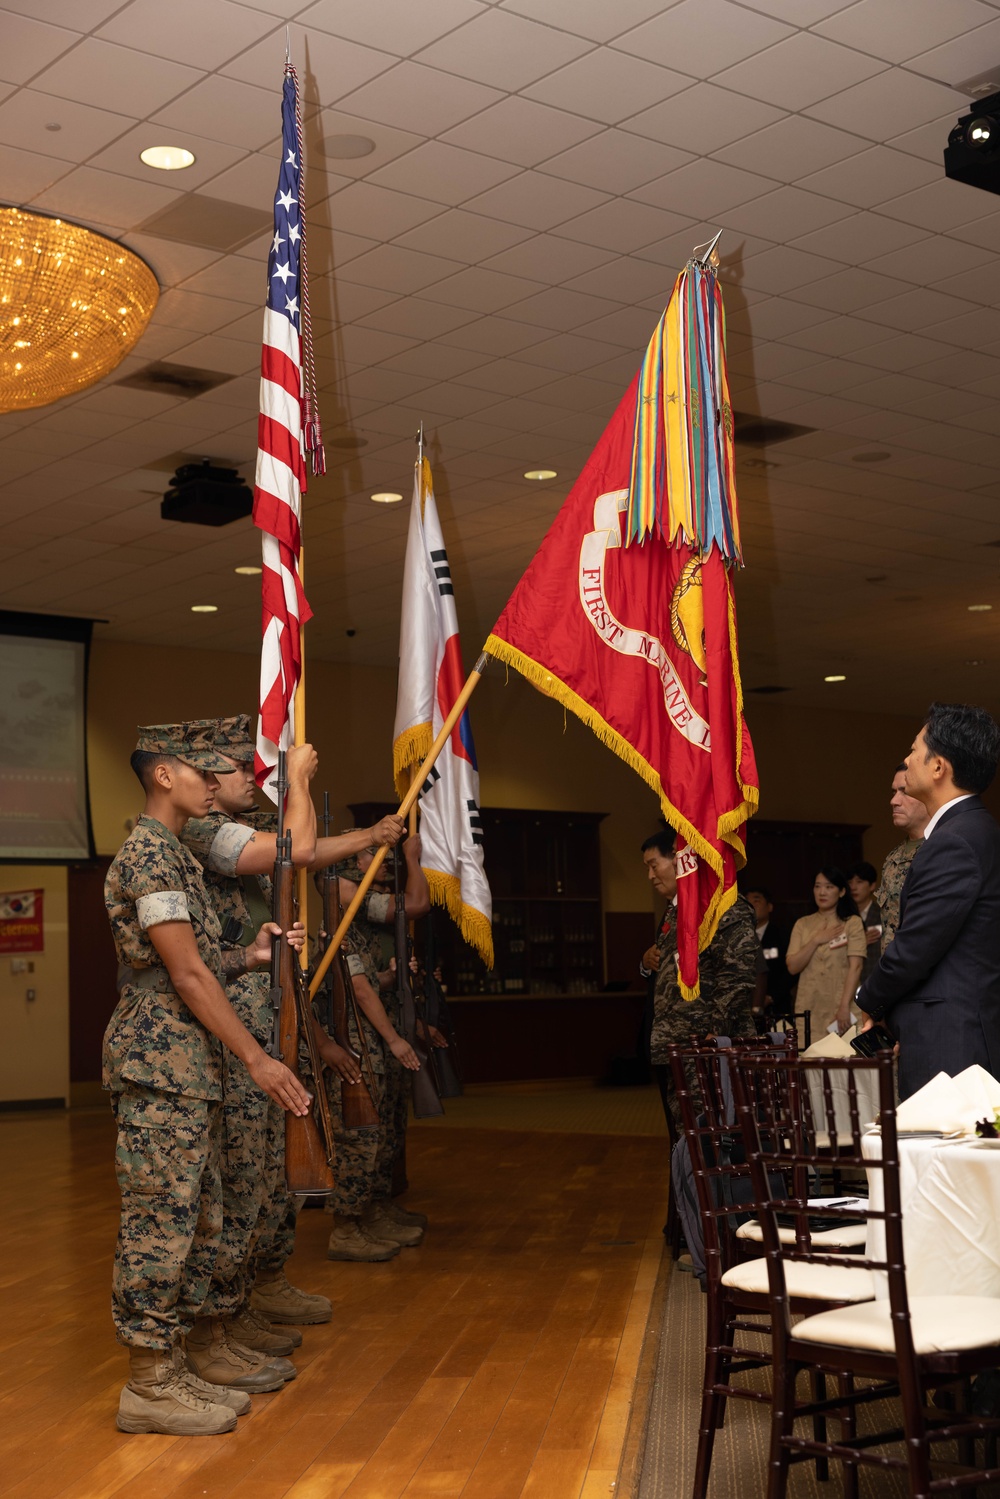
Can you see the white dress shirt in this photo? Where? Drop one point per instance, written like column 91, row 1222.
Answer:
column 928, row 830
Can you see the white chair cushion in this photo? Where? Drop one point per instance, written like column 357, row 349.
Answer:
column 941, row 1324
column 849, row 1236
column 817, row 1282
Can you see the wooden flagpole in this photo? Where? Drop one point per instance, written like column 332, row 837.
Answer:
column 409, row 800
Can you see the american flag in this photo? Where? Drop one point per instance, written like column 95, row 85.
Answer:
column 287, row 427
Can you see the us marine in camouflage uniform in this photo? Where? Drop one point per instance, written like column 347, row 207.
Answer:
column 911, row 817
column 368, row 1226
column 728, row 970
column 235, row 853
column 163, row 1065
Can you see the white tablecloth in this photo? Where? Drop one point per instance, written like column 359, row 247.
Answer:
column 950, row 1195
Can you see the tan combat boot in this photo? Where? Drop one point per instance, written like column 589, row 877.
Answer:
column 254, row 1331
column 349, row 1242
column 214, row 1357
column 279, row 1301
column 399, row 1214
column 234, row 1400
column 378, row 1223
column 156, row 1399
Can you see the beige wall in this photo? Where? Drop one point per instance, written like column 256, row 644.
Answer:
column 34, row 1058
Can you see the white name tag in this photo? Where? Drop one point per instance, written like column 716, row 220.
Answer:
column 840, row 941
column 770, row 953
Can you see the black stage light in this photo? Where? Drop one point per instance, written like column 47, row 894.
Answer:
column 204, row 495
column 972, row 154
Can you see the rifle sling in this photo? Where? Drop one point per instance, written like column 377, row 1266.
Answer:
column 257, row 907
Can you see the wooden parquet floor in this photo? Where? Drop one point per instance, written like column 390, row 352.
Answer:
column 496, row 1360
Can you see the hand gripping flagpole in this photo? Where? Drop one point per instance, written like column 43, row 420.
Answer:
column 409, row 800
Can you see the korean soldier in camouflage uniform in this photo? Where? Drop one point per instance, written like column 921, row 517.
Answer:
column 728, row 971
column 366, row 1227
column 910, row 816
column 163, row 1066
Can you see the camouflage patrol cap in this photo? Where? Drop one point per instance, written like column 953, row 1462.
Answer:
column 235, row 736
column 192, row 743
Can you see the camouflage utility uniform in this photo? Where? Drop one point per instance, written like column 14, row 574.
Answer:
column 253, row 1125
column 728, row 971
column 164, row 1071
column 894, row 872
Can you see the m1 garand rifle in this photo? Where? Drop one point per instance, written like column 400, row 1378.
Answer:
column 309, row 1144
column 356, row 1099
column 426, row 1101
column 447, row 1062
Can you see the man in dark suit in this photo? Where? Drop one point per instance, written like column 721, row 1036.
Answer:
column 937, row 985
column 774, row 941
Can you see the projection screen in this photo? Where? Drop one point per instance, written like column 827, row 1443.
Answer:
column 44, row 807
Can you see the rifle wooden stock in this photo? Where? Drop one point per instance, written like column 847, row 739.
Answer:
column 426, row 1102
column 309, row 1143
column 357, row 1102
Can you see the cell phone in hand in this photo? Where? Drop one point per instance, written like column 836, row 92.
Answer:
column 878, row 1038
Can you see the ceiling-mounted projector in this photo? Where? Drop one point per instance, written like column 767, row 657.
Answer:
column 972, row 154
column 206, row 496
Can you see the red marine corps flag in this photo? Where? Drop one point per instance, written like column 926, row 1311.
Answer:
column 287, row 428
column 627, row 616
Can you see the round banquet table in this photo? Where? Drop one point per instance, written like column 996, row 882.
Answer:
column 950, row 1195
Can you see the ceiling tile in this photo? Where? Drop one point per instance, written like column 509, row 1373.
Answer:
column 495, row 335
column 435, row 361
column 900, row 29
column 973, row 330
column 395, row 269
column 783, row 214
column 415, row 317
column 632, row 327
column 799, row 12
column 886, row 105
column 801, row 70
column 376, row 212
column 336, row 67
column 188, row 309
column 869, row 179
column 503, row 50
column 368, row 345
column 555, row 307
column 521, row 131
column 841, row 335
column 608, row 86
column 87, row 195
column 622, row 226
column 532, row 200
column 858, row 239
column 986, row 232
column 463, row 236
column 446, row 174
column 170, row 261
column 554, row 261
column 918, row 309
column 774, row 318
column 239, row 280
column 25, row 116
column 482, row 290
column 928, row 141
column 225, row 110
column 702, row 118
column 396, row 26
column 229, row 355
column 702, row 189
column 98, row 72
column 977, row 285
column 941, row 205
column 790, row 148
column 29, row 45
column 24, row 173
column 782, row 269
column 201, row 32
column 615, row 162
column 211, row 157
column 701, row 37
column 409, row 93
column 594, row 19
column 903, row 353
column 625, row 280
column 85, row 14
column 849, row 291
column 963, row 56
column 934, row 258
column 388, row 143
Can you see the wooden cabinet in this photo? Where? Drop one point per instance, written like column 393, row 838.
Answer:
column 544, row 870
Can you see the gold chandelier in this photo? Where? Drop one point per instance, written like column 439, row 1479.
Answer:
column 72, row 305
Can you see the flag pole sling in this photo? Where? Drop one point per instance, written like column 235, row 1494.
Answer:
column 409, row 800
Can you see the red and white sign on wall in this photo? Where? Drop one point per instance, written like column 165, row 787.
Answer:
column 21, row 928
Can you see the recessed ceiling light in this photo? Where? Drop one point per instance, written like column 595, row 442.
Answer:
column 247, row 572
column 346, row 147
column 834, row 679
column 204, row 608
column 167, row 158
column 386, row 497
column 541, row 473
column 980, row 608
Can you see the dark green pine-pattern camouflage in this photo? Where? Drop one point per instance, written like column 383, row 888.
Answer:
column 167, row 1163
column 728, row 968
column 894, row 872
column 152, row 1039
